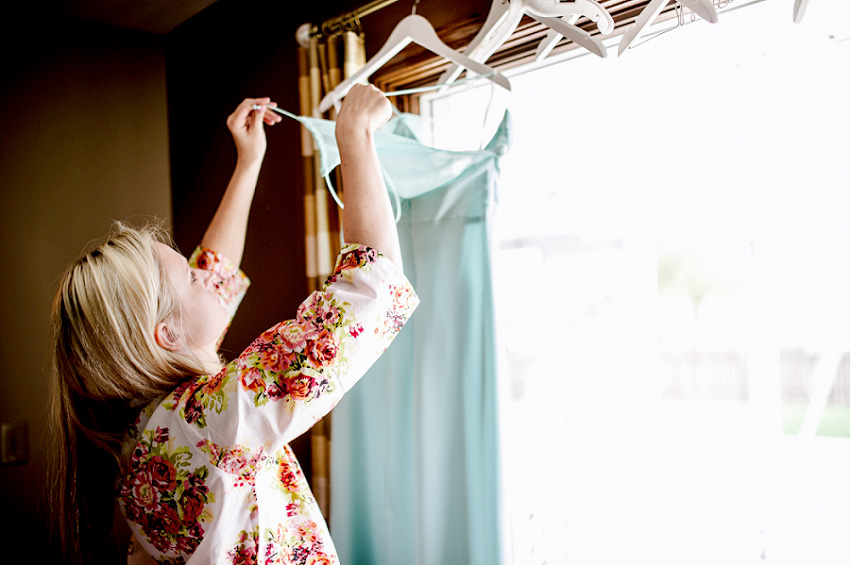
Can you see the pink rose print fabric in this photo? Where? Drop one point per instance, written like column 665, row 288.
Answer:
column 232, row 283
column 211, row 478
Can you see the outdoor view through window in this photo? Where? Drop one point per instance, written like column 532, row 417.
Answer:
column 674, row 292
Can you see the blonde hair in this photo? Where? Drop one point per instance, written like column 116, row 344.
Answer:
column 107, row 365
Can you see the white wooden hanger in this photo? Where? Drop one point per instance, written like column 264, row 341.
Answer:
column 604, row 22
column 703, row 8
column 560, row 19
column 551, row 40
column 505, row 15
column 416, row 29
column 501, row 21
column 800, row 10
column 570, row 31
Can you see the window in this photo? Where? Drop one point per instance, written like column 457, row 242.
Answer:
column 675, row 293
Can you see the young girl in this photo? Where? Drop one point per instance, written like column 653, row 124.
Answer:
column 194, row 451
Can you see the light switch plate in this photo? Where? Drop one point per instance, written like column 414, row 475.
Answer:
column 14, row 443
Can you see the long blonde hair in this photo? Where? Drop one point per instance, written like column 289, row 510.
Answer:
column 107, row 365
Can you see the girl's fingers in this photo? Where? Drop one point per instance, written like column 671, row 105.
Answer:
column 247, row 106
column 271, row 118
column 250, row 102
column 251, row 113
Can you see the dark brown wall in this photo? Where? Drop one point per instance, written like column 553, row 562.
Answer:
column 83, row 142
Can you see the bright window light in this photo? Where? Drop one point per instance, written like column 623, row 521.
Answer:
column 674, row 292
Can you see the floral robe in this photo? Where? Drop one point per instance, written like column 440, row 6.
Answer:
column 211, row 478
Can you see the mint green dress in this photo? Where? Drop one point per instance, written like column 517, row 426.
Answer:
column 415, row 451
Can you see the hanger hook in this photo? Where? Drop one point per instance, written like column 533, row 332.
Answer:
column 680, row 21
column 415, row 3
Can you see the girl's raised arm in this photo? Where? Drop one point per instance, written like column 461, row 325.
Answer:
column 226, row 232
column 367, row 217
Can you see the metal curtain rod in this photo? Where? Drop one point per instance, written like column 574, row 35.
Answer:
column 342, row 22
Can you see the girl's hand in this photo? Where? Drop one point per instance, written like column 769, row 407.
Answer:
column 364, row 110
column 246, row 127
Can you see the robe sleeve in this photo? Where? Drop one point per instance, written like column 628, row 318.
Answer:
column 296, row 372
column 232, row 283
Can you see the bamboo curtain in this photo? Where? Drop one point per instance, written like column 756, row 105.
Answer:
column 322, row 66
